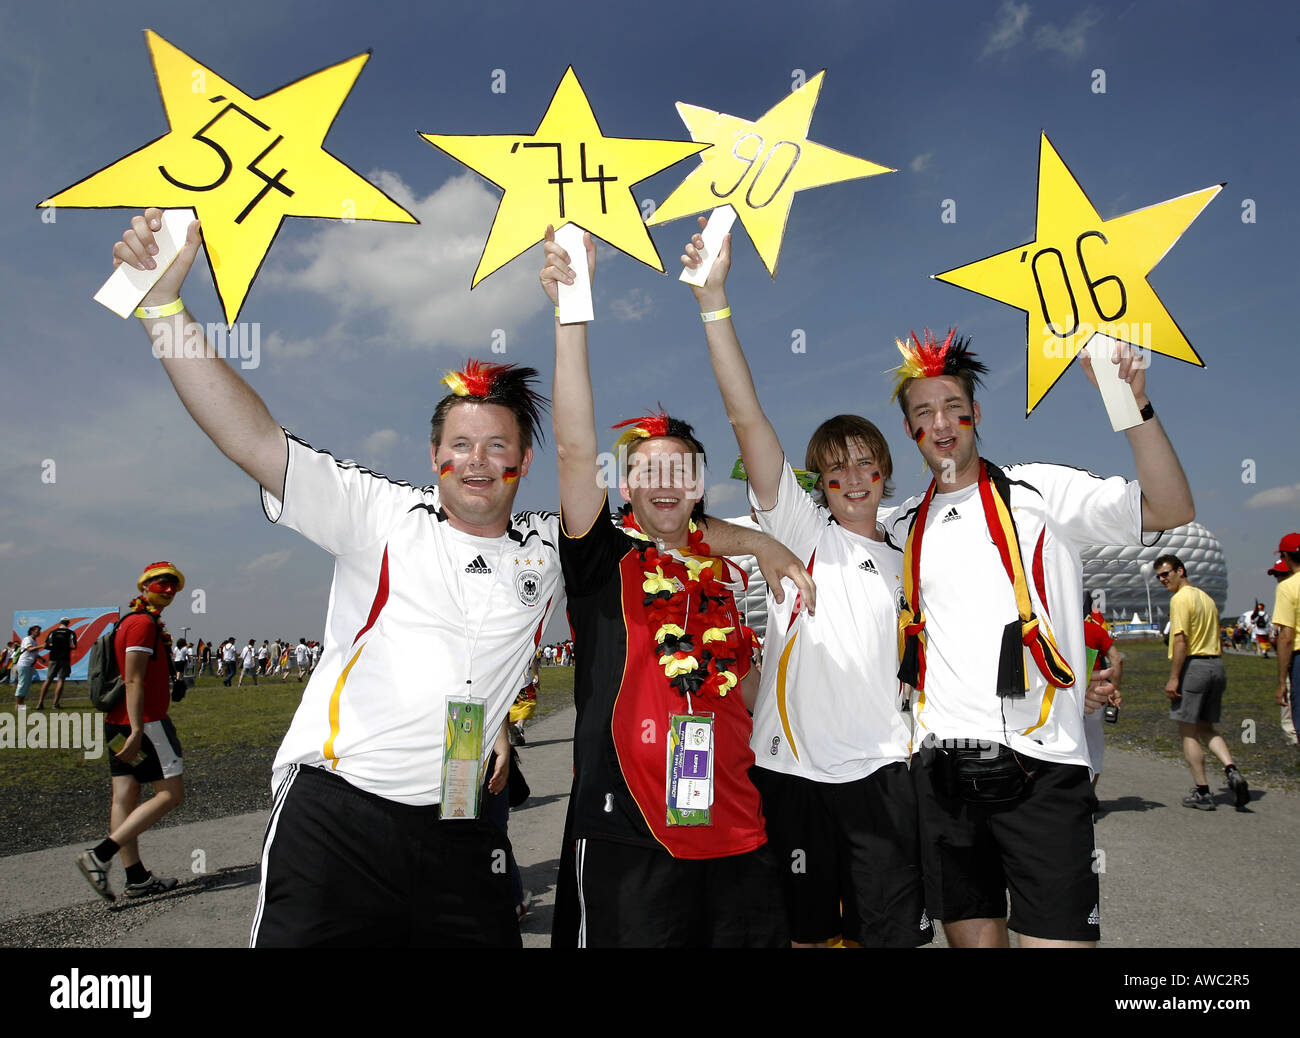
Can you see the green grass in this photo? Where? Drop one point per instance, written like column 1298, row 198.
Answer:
column 1250, row 720
column 213, row 721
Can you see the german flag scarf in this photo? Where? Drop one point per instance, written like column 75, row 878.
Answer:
column 1025, row 632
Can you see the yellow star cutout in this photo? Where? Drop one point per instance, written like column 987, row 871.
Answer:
column 1082, row 275
column 242, row 163
column 756, row 167
column 566, row 172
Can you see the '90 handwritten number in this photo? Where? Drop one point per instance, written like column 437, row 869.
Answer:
column 227, row 165
column 749, row 161
column 1089, row 283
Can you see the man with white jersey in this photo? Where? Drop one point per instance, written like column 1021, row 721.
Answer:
column 439, row 597
column 991, row 638
column 830, row 742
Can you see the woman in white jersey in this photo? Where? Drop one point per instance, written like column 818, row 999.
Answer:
column 830, row 736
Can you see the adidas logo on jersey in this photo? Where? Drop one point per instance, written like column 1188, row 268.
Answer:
column 869, row 567
column 1094, row 917
column 951, row 515
column 478, row 566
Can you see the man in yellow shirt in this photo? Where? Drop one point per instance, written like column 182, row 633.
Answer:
column 1196, row 682
column 1286, row 609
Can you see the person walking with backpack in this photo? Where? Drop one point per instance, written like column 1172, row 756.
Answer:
column 60, row 643
column 144, row 740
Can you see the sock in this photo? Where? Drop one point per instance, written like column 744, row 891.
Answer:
column 137, row 873
column 1203, row 790
column 1228, row 769
column 105, row 851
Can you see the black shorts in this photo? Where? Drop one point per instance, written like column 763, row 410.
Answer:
column 161, row 749
column 849, row 854
column 58, row 669
column 344, row 867
column 643, row 897
column 1039, row 846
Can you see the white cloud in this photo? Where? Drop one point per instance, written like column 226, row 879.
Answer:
column 727, row 495
column 1009, row 29
column 266, row 563
column 411, row 284
column 1275, row 497
column 1070, row 41
column 379, row 443
column 633, row 306
column 920, row 162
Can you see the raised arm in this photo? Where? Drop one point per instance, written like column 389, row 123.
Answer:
column 775, row 560
column 1166, row 496
column 223, row 404
column 573, row 410
column 758, row 440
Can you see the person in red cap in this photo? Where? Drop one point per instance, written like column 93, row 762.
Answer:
column 1286, row 609
column 142, row 737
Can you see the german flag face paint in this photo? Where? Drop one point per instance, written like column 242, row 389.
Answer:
column 875, row 477
column 445, row 469
column 833, row 484
column 510, row 475
column 965, row 421
column 919, row 436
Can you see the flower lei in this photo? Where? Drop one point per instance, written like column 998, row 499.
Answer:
column 140, row 604
column 671, row 586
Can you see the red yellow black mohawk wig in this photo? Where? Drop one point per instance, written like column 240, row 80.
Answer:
column 931, row 359
column 477, row 379
column 508, row 385
column 642, row 428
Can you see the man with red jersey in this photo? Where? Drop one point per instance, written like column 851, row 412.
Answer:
column 670, row 839
column 150, row 752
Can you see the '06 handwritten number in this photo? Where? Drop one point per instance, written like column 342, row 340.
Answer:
column 227, row 165
column 1090, row 283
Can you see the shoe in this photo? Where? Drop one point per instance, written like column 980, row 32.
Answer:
column 152, row 885
column 1240, row 788
column 1200, row 801
column 96, row 873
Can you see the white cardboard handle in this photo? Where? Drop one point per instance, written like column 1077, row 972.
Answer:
column 720, row 221
column 123, row 291
column 575, row 299
column 1115, row 394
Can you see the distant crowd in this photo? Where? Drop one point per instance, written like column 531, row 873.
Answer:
column 229, row 660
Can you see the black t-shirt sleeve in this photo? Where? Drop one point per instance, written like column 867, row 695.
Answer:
column 589, row 558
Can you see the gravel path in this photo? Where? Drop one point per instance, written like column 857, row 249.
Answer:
column 237, row 782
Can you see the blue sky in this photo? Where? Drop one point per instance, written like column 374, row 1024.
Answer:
column 359, row 322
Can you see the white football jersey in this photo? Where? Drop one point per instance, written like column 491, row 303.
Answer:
column 968, row 600
column 419, row 614
column 828, row 704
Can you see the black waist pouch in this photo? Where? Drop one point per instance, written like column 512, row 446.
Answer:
column 980, row 775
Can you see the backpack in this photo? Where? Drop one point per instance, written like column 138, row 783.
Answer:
column 103, row 679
